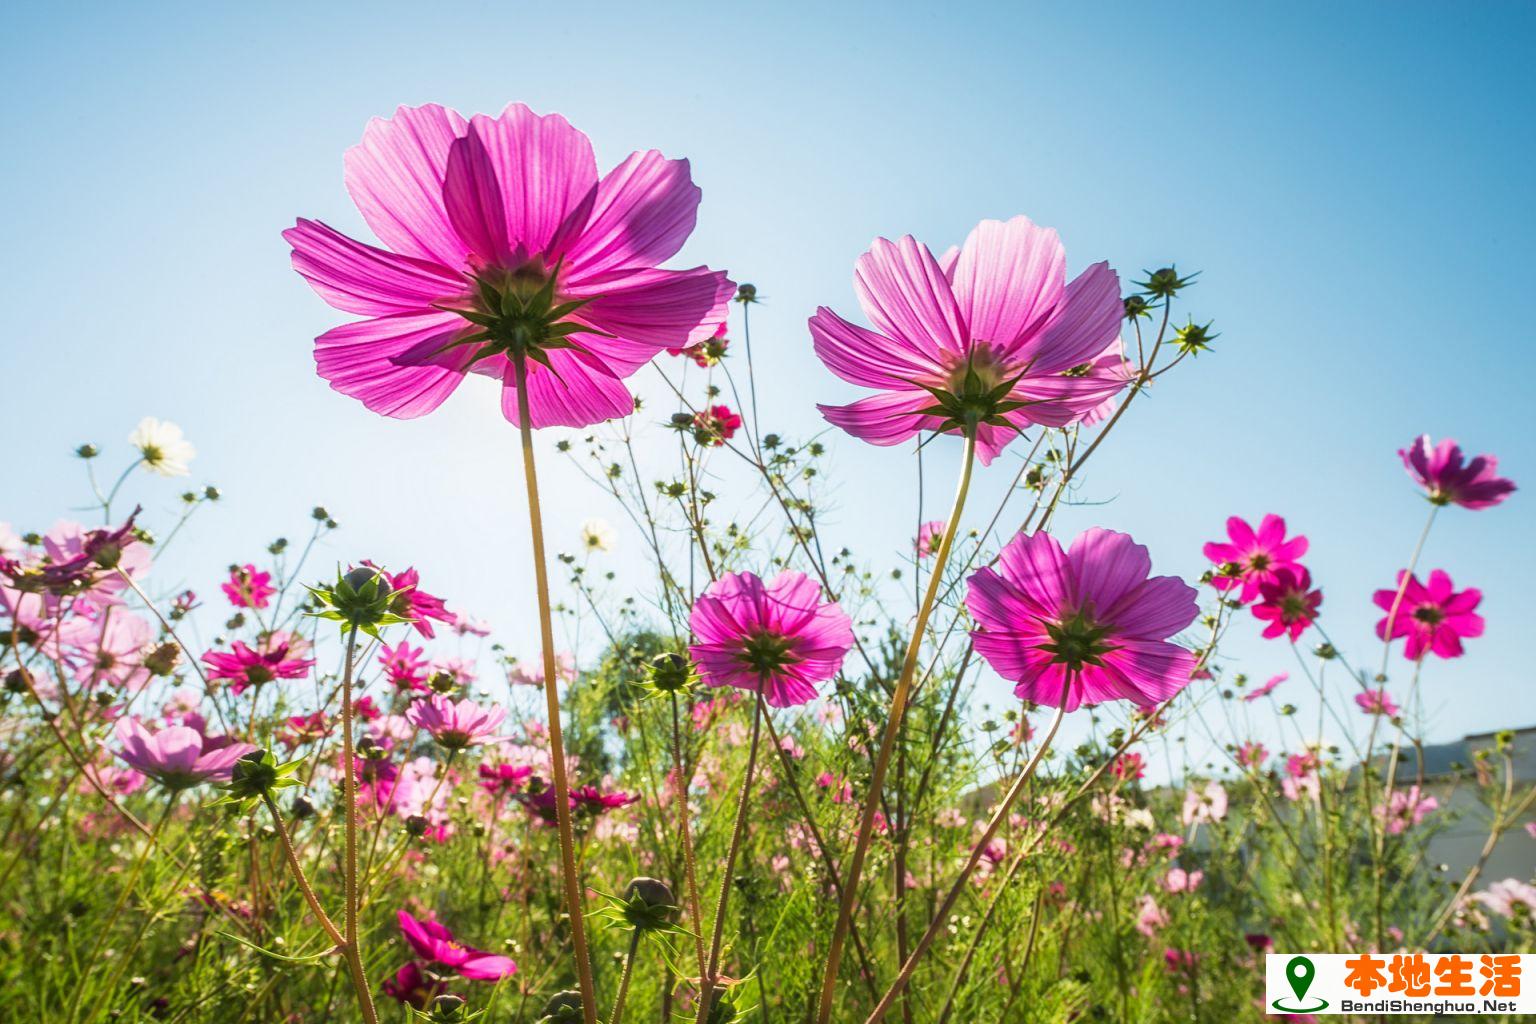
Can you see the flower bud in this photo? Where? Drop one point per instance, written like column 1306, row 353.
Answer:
column 447, row 1009
column 416, row 826
column 671, row 672
column 87, row 451
column 649, row 904
column 562, row 1008
column 253, row 775
column 746, row 293
column 162, row 659
column 17, row 680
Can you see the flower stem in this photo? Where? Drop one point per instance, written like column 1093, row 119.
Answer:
column 629, row 966
column 707, row 983
column 892, row 730
column 690, row 876
column 299, row 876
column 573, row 891
column 349, row 946
column 941, row 915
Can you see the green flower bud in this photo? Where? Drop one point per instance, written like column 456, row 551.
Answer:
column 562, row 1008
column 649, row 904
column 671, row 672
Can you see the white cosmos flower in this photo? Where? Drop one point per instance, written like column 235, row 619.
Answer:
column 163, row 447
column 597, row 535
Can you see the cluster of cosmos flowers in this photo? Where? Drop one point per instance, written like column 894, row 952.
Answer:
column 505, row 253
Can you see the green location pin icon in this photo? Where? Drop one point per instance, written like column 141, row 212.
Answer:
column 1299, row 973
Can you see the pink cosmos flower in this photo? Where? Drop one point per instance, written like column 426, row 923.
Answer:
column 1087, row 625
column 503, row 243
column 715, row 426
column 177, row 756
column 79, row 563
column 1439, row 469
column 1509, row 898
column 1150, row 918
column 1377, row 702
column 1267, row 688
column 991, row 332
column 435, row 943
column 1252, row 755
column 1288, row 603
column 531, row 673
column 109, row 649
column 412, row 603
column 456, row 724
column 1253, row 556
column 413, row 986
column 930, row 537
column 404, row 666
column 280, row 656
column 1434, row 618
column 708, row 352
column 1206, row 803
column 1406, row 809
column 501, row 780
column 302, row 729
column 1129, row 766
column 248, row 587
column 1178, row 880
column 778, row 638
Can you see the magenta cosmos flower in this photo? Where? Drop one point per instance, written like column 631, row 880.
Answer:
column 992, row 333
column 503, row 243
column 778, row 639
column 248, row 587
column 413, row 604
column 1448, row 480
column 1377, row 702
column 177, row 756
column 1434, row 618
column 280, row 656
column 1267, row 688
column 1082, row 626
column 1288, row 603
column 455, row 724
column 435, row 943
column 1253, row 556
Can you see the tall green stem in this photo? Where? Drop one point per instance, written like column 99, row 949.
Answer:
column 573, row 890
column 940, row 917
column 888, row 743
column 349, row 948
column 712, row 972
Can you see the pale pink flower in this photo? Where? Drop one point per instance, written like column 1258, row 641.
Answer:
column 929, row 538
column 1405, row 809
column 1267, row 688
column 177, row 756
column 1377, row 702
column 1150, row 918
column 531, row 673
column 992, row 332
column 456, row 724
column 1178, row 880
column 1206, row 803
column 1509, row 898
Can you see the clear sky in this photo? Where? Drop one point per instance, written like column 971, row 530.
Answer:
column 1354, row 179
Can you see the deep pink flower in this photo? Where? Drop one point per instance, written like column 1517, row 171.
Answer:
column 248, row 587
column 778, row 639
column 504, row 241
column 1091, row 616
column 178, row 756
column 302, row 729
column 993, row 328
column 500, row 780
column 708, row 352
column 404, row 666
column 1434, row 618
column 413, row 986
column 435, row 943
column 715, row 425
column 1377, row 702
column 1129, row 766
column 78, row 562
column 1407, row 808
column 1288, row 603
column 456, row 724
column 929, row 537
column 281, row 656
column 1267, row 688
column 1252, row 557
column 412, row 603
column 1439, row 469
column 594, row 801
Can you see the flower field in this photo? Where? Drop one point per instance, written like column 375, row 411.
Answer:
column 759, row 783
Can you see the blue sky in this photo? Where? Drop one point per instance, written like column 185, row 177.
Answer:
column 1352, row 179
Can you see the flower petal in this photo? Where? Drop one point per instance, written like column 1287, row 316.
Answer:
column 644, row 211
column 545, row 168
column 395, row 176
column 363, row 279
column 389, row 365
column 1008, row 278
column 904, row 292
column 1087, row 322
